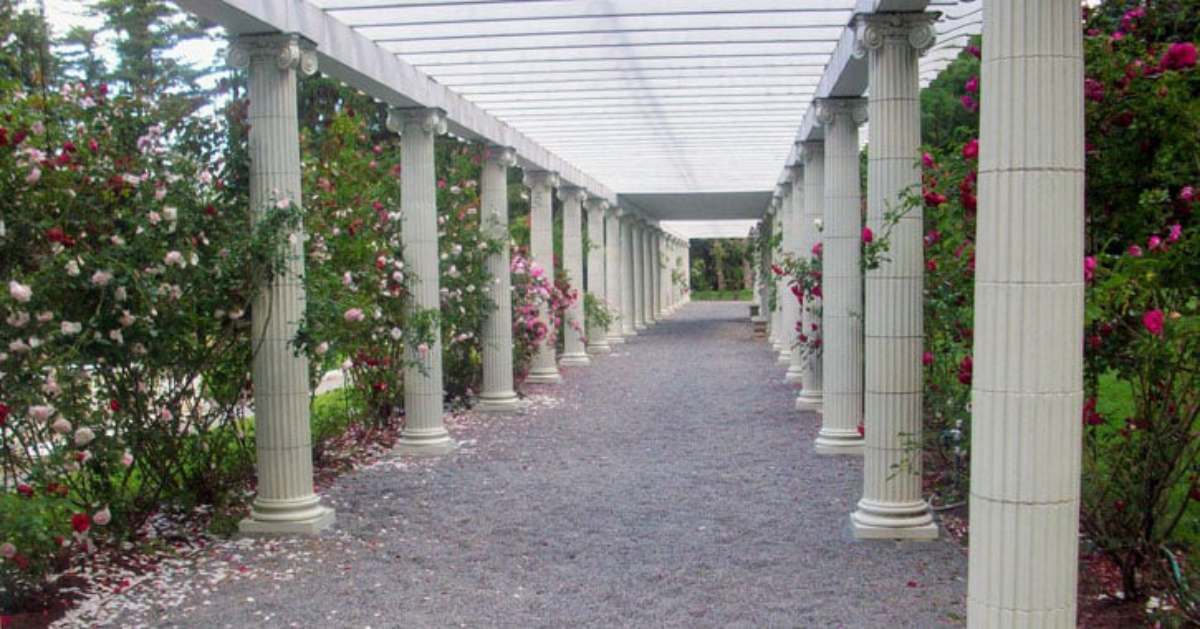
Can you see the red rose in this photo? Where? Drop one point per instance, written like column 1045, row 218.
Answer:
column 81, row 522
column 1180, row 56
column 971, row 149
column 25, row 490
column 3, row 413
column 114, row 406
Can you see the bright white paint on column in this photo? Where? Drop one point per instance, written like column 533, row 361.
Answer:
column 597, row 276
column 1027, row 393
column 424, row 432
column 285, row 503
column 575, row 344
column 842, row 274
column 783, row 335
column 614, row 284
column 892, row 505
column 628, row 285
column 792, row 238
column 813, row 215
column 541, row 247
column 639, row 275
column 497, row 395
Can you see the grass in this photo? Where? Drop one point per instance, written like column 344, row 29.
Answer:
column 722, row 295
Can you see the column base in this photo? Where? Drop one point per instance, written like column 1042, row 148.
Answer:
column 639, row 327
column 600, row 348
column 425, row 442
column 793, row 376
column 839, row 443
column 615, row 340
column 628, row 332
column 873, row 520
column 580, row 359
column 807, row 401
column 267, row 517
column 548, row 376
column 785, row 358
column 501, row 404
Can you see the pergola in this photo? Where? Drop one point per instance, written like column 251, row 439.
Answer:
column 655, row 118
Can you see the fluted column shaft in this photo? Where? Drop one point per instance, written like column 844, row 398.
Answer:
column 613, row 275
column 1027, row 391
column 656, row 250
column 648, row 275
column 639, row 276
column 544, row 369
column 575, row 342
column 497, row 394
column 424, row 432
column 842, row 289
column 772, row 259
column 763, row 278
column 628, row 287
column 285, row 502
column 813, row 213
column 892, row 505
column 783, row 342
column 597, row 335
column 792, row 306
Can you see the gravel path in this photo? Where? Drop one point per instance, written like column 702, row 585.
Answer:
column 670, row 484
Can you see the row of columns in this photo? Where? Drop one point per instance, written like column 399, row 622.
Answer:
column 1027, row 386
column 630, row 264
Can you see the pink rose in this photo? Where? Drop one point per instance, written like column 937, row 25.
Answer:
column 354, row 315
column 1153, row 321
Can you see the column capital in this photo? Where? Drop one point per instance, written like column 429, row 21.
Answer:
column 875, row 30
column 289, row 50
column 572, row 193
column 596, row 204
column 812, row 149
column 540, row 178
column 431, row 119
column 504, row 155
column 615, row 212
column 829, row 110
column 797, row 172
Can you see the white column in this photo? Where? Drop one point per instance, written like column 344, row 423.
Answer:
column 639, row 275
column 597, row 336
column 628, row 286
column 613, row 274
column 285, row 503
column 424, row 433
column 792, row 238
column 574, row 341
column 783, row 335
column 656, row 254
column 1027, row 392
column 762, row 276
column 686, row 247
column 842, row 274
column 541, row 183
column 812, row 215
column 497, row 395
column 772, row 222
column 892, row 505
column 648, row 274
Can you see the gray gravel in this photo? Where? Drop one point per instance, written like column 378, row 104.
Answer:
column 670, row 484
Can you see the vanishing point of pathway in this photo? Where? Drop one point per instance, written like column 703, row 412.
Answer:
column 679, row 489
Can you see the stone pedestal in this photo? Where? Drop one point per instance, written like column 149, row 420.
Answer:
column 497, row 394
column 575, row 343
column 285, row 503
column 892, row 504
column 1027, row 391
column 842, row 287
column 544, row 369
column 812, row 215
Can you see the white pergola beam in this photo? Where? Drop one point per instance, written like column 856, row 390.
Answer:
column 357, row 61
